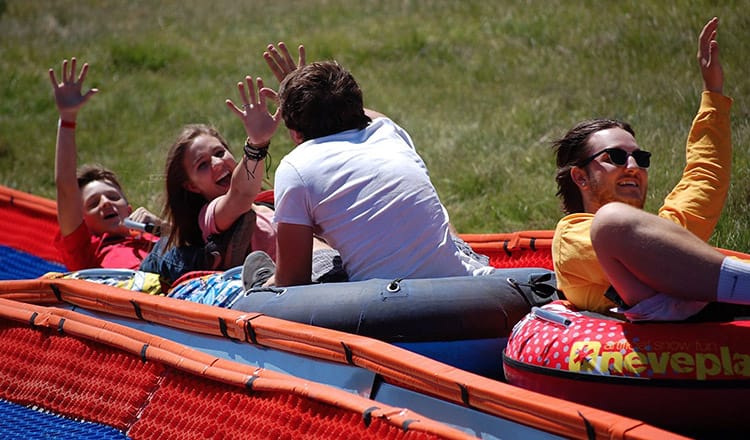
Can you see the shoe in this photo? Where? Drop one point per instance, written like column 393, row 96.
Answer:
column 258, row 268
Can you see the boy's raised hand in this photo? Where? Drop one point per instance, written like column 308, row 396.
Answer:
column 68, row 95
column 280, row 60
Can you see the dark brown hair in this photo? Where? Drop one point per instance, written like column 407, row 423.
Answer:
column 570, row 150
column 320, row 99
column 182, row 206
column 93, row 172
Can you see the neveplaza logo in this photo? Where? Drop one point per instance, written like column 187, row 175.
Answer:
column 620, row 359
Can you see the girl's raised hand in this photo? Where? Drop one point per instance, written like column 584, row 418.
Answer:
column 260, row 124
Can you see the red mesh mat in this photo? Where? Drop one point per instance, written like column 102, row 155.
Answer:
column 515, row 249
column 71, row 377
column 521, row 258
column 91, row 381
column 185, row 407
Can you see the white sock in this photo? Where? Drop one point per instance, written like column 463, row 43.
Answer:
column 734, row 282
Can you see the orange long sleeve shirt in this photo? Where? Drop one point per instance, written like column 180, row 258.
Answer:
column 695, row 204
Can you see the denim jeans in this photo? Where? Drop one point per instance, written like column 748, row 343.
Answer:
column 175, row 262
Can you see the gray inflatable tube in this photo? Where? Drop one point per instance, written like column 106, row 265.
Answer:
column 412, row 310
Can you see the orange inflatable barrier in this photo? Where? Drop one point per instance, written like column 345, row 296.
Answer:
column 150, row 348
column 515, row 249
column 396, row 365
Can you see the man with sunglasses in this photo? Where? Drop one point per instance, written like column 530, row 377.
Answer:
column 609, row 253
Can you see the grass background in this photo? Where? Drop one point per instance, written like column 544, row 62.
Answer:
column 482, row 86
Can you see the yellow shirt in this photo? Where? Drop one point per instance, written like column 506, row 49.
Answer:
column 695, row 204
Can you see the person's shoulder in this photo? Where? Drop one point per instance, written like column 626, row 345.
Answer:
column 80, row 236
column 572, row 222
column 576, row 218
column 382, row 121
column 386, row 127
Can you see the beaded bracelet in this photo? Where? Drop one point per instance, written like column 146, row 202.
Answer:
column 256, row 154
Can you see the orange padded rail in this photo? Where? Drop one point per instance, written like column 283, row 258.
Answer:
column 150, row 387
column 515, row 249
column 396, row 365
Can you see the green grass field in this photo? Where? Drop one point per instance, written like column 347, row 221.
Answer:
column 482, row 86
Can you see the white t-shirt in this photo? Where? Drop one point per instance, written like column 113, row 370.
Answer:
column 368, row 194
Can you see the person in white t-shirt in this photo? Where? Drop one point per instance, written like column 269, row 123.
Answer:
column 355, row 180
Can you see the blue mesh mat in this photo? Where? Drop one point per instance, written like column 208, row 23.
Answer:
column 17, row 265
column 19, row 422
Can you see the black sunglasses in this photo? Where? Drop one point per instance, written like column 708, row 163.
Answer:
column 619, row 157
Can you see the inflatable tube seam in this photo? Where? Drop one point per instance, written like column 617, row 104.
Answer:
column 249, row 382
column 250, row 335
column 348, row 354
column 223, row 328
column 137, row 309
column 464, row 395
column 56, row 291
column 367, row 415
column 590, row 430
column 407, row 422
